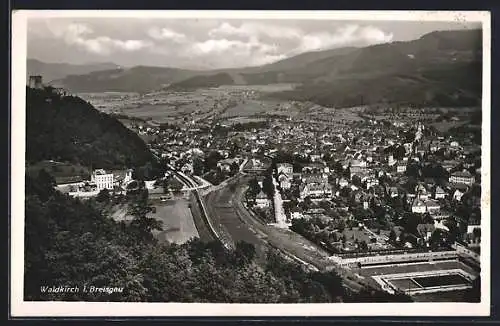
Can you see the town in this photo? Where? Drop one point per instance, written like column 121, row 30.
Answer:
column 376, row 186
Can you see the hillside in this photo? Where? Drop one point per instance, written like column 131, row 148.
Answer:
column 299, row 60
column 203, row 82
column 440, row 68
column 53, row 71
column 137, row 79
column 69, row 129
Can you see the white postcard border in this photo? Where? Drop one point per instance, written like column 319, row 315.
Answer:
column 20, row 308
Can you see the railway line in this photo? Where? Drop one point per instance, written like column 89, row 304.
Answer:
column 224, row 216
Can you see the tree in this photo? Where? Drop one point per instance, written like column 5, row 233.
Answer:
column 103, row 196
column 244, row 253
column 46, row 179
column 267, row 185
column 198, row 166
column 253, row 187
column 142, row 223
column 234, row 167
column 175, row 185
column 307, row 203
column 427, row 219
column 392, row 236
column 399, row 152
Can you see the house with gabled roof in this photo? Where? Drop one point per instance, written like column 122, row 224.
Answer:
column 439, row 193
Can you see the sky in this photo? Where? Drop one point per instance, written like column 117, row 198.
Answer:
column 207, row 43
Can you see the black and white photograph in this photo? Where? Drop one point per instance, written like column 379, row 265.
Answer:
column 286, row 163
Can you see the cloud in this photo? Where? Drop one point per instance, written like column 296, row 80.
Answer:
column 211, row 43
column 166, row 34
column 342, row 36
column 267, row 58
column 237, row 47
column 250, row 29
column 242, row 53
column 291, row 40
column 80, row 35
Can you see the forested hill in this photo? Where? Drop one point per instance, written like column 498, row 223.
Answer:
column 70, row 129
column 440, row 69
column 203, row 82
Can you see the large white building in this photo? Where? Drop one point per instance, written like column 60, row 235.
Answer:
column 102, row 179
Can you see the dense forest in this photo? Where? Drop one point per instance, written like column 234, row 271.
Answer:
column 436, row 85
column 66, row 128
column 73, row 243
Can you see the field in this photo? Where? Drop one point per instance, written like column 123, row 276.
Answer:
column 242, row 120
column 258, row 88
column 230, row 101
column 161, row 106
column 159, row 112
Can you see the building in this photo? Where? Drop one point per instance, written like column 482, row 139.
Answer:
column 357, row 168
column 261, row 200
column 316, row 191
column 285, row 168
column 370, row 182
column 35, row 82
column 61, row 91
column 463, row 177
column 343, row 183
column 439, row 193
column 418, row 206
column 102, row 179
column 285, row 181
column 393, row 192
column 432, row 206
column 421, row 191
column 458, row 194
column 391, row 160
column 226, row 164
column 315, row 168
column 401, row 168
column 187, row 168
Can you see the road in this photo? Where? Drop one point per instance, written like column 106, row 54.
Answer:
column 279, row 212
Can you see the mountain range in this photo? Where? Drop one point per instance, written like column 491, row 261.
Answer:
column 440, row 68
column 54, row 71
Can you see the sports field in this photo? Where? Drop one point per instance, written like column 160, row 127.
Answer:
column 413, row 268
column 430, row 281
column 444, row 280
